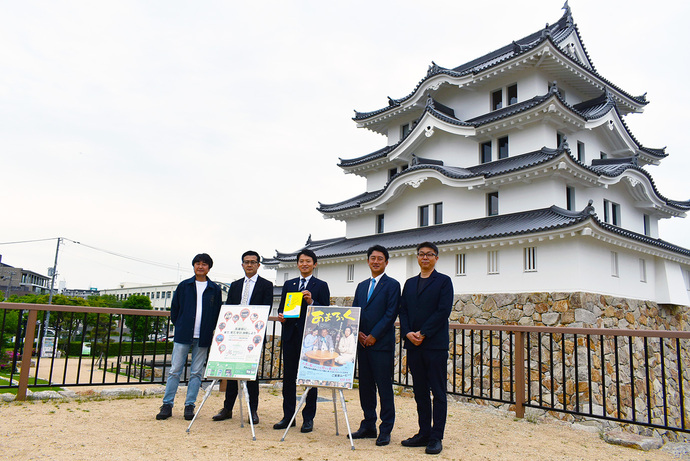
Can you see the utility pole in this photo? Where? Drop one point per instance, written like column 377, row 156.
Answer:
column 46, row 322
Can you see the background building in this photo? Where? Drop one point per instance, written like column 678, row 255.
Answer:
column 18, row 281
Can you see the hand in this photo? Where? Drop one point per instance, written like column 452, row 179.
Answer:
column 306, row 295
column 281, row 318
column 415, row 337
column 361, row 337
column 369, row 341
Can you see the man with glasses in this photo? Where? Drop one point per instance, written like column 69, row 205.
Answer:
column 425, row 305
column 378, row 297
column 249, row 290
column 194, row 312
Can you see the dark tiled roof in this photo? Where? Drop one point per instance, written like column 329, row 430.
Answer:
column 554, row 33
column 522, row 223
column 610, row 168
column 464, row 231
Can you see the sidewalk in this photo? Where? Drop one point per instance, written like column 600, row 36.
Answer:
column 125, row 429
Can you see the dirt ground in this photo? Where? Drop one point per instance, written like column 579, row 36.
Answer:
column 126, row 429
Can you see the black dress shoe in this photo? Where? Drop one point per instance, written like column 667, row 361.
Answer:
column 383, row 439
column 416, row 440
column 364, row 434
column 223, row 414
column 283, row 424
column 189, row 412
column 255, row 418
column 307, row 426
column 434, row 447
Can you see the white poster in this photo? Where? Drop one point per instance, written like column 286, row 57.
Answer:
column 237, row 342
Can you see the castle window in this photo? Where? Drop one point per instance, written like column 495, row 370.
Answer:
column 438, row 213
column 404, row 130
column 614, row 264
column 603, row 155
column 560, row 137
column 503, row 147
column 530, row 259
column 643, row 270
column 460, row 267
column 512, row 94
column 581, row 151
column 350, row 272
column 492, row 262
column 285, row 277
column 612, row 213
column 392, row 172
column 497, row 99
column 492, row 203
column 424, row 216
column 686, row 276
column 570, row 198
column 646, row 225
column 379, row 223
column 485, row 152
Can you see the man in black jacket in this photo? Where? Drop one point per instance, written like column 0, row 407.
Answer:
column 194, row 312
column 249, row 290
column 315, row 292
column 425, row 306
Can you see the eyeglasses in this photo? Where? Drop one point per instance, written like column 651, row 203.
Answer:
column 250, row 263
column 426, row 255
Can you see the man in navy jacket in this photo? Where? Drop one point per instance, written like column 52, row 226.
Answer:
column 194, row 312
column 425, row 305
column 314, row 292
column 259, row 292
column 378, row 297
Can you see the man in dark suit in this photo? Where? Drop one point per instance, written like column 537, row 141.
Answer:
column 378, row 297
column 250, row 290
column 314, row 292
column 425, row 305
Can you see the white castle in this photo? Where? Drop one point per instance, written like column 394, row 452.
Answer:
column 520, row 167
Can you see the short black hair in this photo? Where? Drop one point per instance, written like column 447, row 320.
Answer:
column 307, row 252
column 380, row 248
column 204, row 258
column 251, row 253
column 427, row 245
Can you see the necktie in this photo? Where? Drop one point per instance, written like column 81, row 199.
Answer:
column 302, row 284
column 371, row 289
column 245, row 293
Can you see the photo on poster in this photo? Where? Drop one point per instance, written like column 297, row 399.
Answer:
column 237, row 342
column 329, row 347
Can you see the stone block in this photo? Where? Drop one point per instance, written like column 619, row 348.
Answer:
column 585, row 316
column 627, row 439
column 550, row 318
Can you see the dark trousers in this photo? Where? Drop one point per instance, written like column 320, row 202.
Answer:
column 231, row 394
column 428, row 368
column 291, row 356
column 376, row 372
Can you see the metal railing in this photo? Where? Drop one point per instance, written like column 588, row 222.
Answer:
column 639, row 377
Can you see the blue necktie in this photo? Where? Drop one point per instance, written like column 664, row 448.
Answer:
column 302, row 284
column 371, row 289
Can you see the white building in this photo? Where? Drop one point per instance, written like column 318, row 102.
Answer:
column 160, row 295
column 520, row 167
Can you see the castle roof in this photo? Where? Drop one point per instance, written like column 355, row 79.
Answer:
column 610, row 168
column 592, row 109
column 501, row 226
column 554, row 34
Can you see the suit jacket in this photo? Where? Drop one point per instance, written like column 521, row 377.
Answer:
column 427, row 311
column 183, row 311
column 261, row 296
column 293, row 329
column 379, row 313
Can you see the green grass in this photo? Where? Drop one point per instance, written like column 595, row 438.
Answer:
column 5, row 381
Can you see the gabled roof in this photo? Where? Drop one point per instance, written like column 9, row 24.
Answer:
column 555, row 34
column 592, row 109
column 608, row 168
column 522, row 223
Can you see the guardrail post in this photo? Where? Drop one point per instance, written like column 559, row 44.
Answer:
column 519, row 374
column 26, row 355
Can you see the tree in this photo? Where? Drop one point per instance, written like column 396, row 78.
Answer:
column 140, row 326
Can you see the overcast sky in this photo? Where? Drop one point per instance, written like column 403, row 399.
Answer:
column 162, row 129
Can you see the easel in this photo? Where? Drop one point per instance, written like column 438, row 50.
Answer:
column 335, row 413
column 244, row 393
